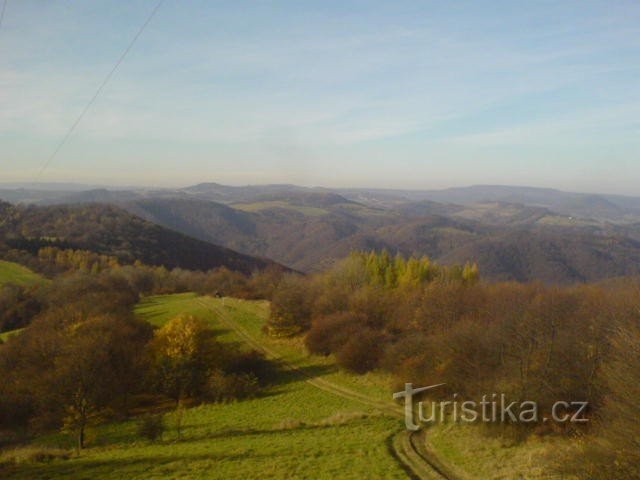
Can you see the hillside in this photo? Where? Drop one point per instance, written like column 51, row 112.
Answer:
column 584, row 205
column 112, row 231
column 550, row 257
column 514, row 233
column 17, row 274
column 341, row 424
column 588, row 206
column 509, row 241
column 291, row 431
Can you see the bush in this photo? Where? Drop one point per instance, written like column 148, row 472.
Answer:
column 15, row 409
column 151, row 427
column 34, row 455
column 330, row 332
column 291, row 307
column 224, row 387
column 361, row 353
column 254, row 363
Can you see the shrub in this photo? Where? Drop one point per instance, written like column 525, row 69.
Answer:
column 291, row 307
column 361, row 353
column 151, row 427
column 252, row 362
column 330, row 332
column 236, row 386
column 34, row 455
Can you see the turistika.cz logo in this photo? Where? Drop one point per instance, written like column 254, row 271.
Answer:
column 492, row 408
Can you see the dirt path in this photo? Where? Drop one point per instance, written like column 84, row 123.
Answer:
column 409, row 448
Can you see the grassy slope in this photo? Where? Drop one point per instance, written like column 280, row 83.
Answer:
column 494, row 457
column 239, row 440
column 472, row 451
column 13, row 273
column 6, row 335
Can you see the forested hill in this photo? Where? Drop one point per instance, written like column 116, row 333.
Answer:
column 112, row 231
column 309, row 229
column 509, row 242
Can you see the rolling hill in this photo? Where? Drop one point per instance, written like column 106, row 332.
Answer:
column 17, row 274
column 112, row 231
column 514, row 233
column 600, row 207
column 509, row 242
column 341, row 425
column 614, row 208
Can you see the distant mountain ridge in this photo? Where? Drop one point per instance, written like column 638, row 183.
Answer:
column 514, row 233
column 601, row 207
column 515, row 250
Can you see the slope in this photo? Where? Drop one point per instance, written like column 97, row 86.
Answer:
column 112, row 231
column 17, row 274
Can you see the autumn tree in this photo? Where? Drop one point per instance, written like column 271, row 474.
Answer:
column 181, row 356
column 291, row 307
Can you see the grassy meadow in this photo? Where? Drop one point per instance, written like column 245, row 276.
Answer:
column 293, row 430
column 17, row 274
column 297, row 428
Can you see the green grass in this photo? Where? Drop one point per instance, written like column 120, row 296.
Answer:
column 13, row 273
column 160, row 309
column 495, row 457
column 240, row 440
column 6, row 335
column 251, row 317
column 294, row 430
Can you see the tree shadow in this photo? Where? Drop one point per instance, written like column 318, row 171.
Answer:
column 85, row 468
column 285, row 375
column 246, row 432
column 146, row 316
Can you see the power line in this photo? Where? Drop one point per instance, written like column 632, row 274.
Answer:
column 4, row 7
column 100, row 88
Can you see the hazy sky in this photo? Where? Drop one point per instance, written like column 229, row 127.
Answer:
column 336, row 93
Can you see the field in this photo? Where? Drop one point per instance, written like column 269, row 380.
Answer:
column 13, row 273
column 314, row 422
column 294, row 430
column 258, row 206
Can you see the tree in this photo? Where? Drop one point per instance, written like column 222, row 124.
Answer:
column 360, row 353
column 96, row 369
column 181, row 356
column 291, row 307
column 616, row 452
column 18, row 306
column 471, row 273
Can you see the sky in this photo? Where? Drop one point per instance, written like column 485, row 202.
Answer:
column 397, row 94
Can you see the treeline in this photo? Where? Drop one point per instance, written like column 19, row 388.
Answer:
column 85, row 358
column 51, row 258
column 82, row 260
column 20, row 304
column 428, row 325
column 111, row 231
column 297, row 300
